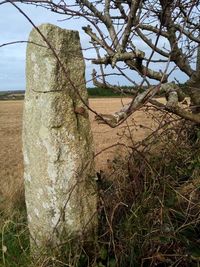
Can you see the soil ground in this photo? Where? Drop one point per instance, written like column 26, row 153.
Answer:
column 136, row 128
column 11, row 160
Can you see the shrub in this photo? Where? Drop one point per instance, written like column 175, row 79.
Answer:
column 150, row 212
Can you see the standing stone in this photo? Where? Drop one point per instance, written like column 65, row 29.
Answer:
column 59, row 171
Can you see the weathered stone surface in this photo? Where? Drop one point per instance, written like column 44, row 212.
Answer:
column 57, row 141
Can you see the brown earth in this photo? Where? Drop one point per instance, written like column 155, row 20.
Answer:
column 11, row 160
column 136, row 128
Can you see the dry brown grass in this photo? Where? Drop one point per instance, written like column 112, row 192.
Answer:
column 148, row 204
column 11, row 171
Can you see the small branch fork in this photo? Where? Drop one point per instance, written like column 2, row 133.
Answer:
column 173, row 94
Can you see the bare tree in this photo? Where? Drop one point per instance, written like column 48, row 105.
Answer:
column 151, row 39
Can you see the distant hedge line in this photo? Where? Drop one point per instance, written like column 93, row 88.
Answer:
column 101, row 92
column 92, row 92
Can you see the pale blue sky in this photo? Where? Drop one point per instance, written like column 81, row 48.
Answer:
column 14, row 27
